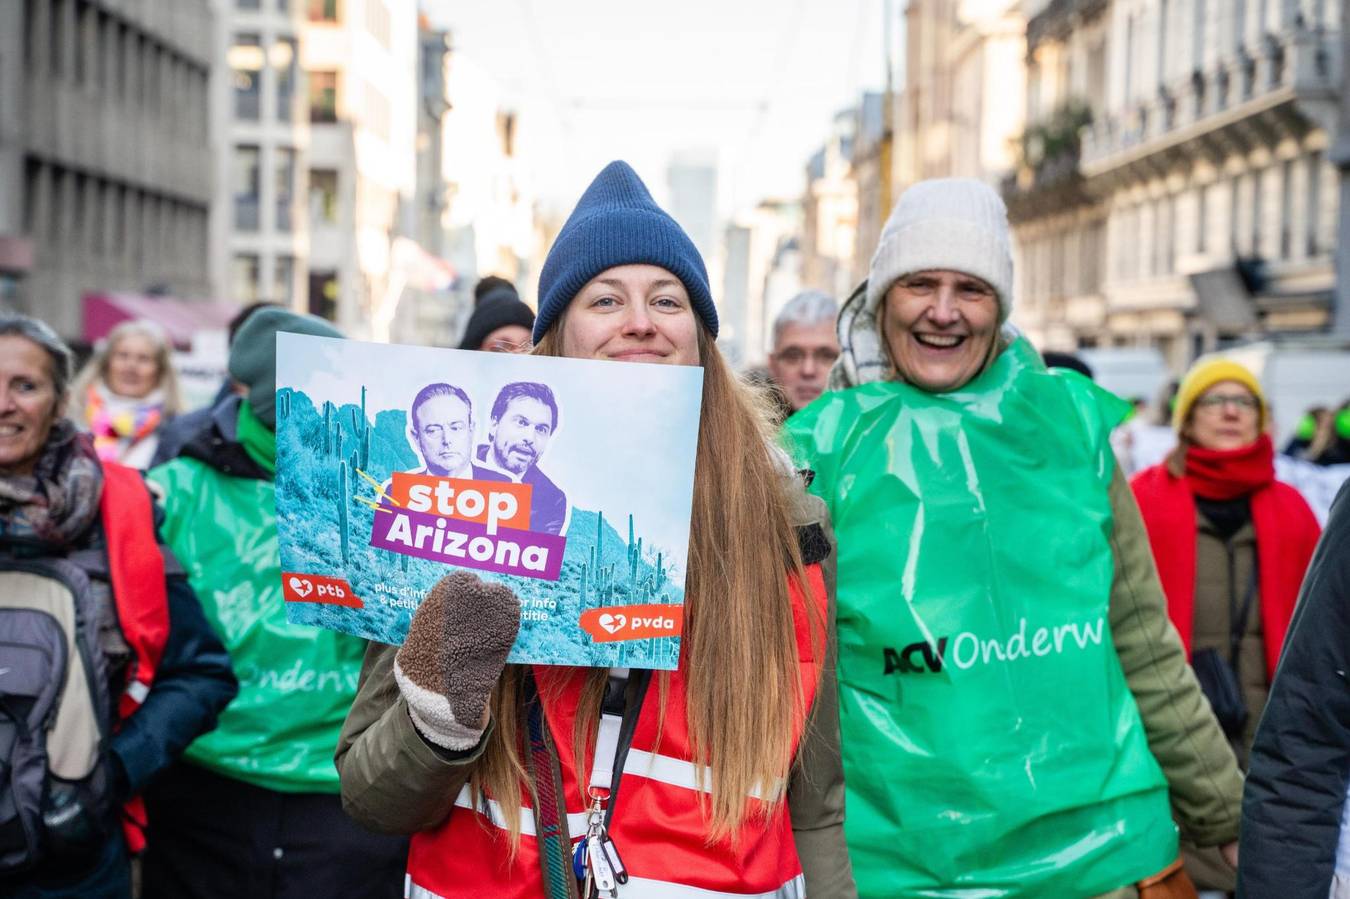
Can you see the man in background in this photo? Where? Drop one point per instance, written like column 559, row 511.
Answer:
column 804, row 347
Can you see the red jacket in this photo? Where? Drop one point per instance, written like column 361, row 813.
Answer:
column 1286, row 534
column 658, row 825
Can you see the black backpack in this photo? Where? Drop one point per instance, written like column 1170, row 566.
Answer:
column 56, row 713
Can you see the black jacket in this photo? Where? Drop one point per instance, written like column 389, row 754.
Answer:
column 1296, row 788
column 176, row 432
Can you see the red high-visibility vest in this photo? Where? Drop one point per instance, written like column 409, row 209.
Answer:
column 658, row 825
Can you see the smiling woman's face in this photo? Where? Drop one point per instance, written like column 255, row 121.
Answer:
column 632, row 313
column 940, row 327
column 28, row 403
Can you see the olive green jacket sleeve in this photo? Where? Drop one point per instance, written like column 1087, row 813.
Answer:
column 393, row 781
column 1202, row 774
column 816, row 789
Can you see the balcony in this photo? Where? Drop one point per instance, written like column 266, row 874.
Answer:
column 1285, row 86
column 1058, row 18
column 1047, row 178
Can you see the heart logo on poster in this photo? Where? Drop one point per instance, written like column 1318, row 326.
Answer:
column 301, row 586
column 613, row 623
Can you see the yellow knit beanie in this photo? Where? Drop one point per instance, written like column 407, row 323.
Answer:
column 1204, row 375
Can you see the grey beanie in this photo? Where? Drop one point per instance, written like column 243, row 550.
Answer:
column 253, row 355
column 956, row 224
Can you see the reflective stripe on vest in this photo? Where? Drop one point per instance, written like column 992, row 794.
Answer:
column 576, row 822
column 642, row 888
column 678, row 773
column 661, row 768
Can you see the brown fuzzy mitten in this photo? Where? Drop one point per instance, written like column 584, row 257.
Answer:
column 453, row 655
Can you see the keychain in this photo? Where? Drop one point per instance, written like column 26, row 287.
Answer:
column 598, row 857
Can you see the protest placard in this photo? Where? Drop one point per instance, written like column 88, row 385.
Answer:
column 568, row 480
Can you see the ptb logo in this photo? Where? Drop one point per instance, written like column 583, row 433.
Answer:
column 333, row 591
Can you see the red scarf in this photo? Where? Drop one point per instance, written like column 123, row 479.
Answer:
column 1286, row 532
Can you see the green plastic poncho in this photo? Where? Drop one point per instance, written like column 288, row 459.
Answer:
column 991, row 745
column 296, row 683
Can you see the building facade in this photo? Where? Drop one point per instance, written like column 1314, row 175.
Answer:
column 964, row 93
column 260, row 132
column 1195, row 172
column 829, row 243
column 762, row 270
column 1212, row 159
column 474, row 210
column 1059, row 226
column 360, row 64
column 103, row 129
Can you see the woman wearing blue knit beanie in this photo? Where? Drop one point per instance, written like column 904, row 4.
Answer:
column 741, row 790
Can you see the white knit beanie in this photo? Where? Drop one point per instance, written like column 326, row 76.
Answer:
column 956, row 224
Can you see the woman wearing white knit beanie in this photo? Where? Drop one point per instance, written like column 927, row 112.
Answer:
column 1018, row 717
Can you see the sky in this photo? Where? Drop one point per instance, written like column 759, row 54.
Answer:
column 756, row 82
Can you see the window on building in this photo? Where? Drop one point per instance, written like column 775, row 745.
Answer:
column 322, row 10
column 1129, row 60
column 1314, row 211
column 247, row 187
column 98, row 207
column 1258, row 190
column 56, row 21
column 1162, row 229
column 33, row 185
column 245, row 279
column 323, row 89
column 1201, row 216
column 283, row 280
column 1163, row 10
column 1234, row 210
column 1286, row 208
column 285, row 187
column 86, row 43
column 322, row 297
column 248, row 4
column 121, row 75
column 246, row 64
column 1197, row 35
column 150, row 83
column 117, row 217
column 31, row 35
column 285, row 64
column 323, row 196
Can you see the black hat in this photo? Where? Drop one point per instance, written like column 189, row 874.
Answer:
column 497, row 309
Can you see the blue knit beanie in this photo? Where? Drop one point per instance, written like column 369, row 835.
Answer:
column 617, row 222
